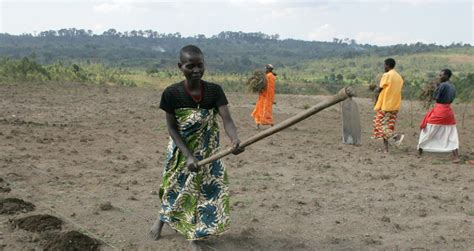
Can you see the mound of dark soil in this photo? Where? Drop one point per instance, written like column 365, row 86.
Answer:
column 71, row 241
column 38, row 223
column 15, row 205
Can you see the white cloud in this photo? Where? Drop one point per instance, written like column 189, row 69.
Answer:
column 114, row 6
column 427, row 2
column 1, row 18
column 111, row 7
column 127, row 6
column 385, row 7
column 282, row 13
column 411, row 2
column 324, row 33
column 242, row 2
column 276, row 15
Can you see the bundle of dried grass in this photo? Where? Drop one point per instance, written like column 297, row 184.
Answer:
column 372, row 87
column 257, row 82
column 426, row 93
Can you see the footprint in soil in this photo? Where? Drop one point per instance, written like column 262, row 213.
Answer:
column 72, row 240
column 247, row 233
column 15, row 205
column 37, row 223
column 14, row 177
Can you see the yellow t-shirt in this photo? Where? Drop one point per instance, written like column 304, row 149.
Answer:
column 391, row 96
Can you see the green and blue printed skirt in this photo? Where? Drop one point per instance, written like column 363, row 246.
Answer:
column 196, row 204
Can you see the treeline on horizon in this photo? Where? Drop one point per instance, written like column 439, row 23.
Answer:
column 226, row 52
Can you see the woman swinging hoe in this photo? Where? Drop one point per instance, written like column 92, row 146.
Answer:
column 194, row 199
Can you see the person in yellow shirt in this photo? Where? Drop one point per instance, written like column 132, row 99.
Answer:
column 387, row 105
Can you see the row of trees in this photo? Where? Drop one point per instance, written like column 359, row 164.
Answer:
column 75, row 33
column 226, row 35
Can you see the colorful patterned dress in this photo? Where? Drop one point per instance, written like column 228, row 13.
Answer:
column 196, row 204
column 384, row 124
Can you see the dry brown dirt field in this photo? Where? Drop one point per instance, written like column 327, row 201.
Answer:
column 92, row 157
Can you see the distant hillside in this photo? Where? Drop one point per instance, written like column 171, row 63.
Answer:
column 226, row 52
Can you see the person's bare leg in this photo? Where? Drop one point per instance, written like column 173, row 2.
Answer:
column 385, row 144
column 155, row 230
column 194, row 245
column 456, row 158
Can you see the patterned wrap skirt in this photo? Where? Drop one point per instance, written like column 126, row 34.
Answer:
column 384, row 124
column 195, row 204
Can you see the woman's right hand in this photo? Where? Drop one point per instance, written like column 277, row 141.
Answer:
column 191, row 163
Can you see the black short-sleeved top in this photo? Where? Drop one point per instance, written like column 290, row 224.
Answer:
column 445, row 93
column 175, row 97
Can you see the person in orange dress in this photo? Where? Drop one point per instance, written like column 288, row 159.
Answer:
column 262, row 113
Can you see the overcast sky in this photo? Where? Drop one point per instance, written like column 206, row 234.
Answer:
column 381, row 22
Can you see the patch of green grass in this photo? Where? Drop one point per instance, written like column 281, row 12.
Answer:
column 437, row 162
column 160, row 127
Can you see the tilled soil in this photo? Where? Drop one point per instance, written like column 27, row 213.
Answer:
column 93, row 157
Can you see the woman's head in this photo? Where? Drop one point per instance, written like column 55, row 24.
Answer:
column 191, row 63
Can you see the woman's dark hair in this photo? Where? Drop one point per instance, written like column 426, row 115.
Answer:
column 390, row 62
column 447, row 72
column 189, row 49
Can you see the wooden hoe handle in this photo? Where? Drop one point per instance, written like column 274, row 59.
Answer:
column 340, row 96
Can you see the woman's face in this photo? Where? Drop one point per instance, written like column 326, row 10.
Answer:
column 192, row 66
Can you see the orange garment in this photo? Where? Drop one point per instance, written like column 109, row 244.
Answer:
column 263, row 109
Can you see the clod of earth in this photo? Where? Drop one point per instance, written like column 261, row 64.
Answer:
column 14, row 205
column 4, row 188
column 38, row 223
column 106, row 206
